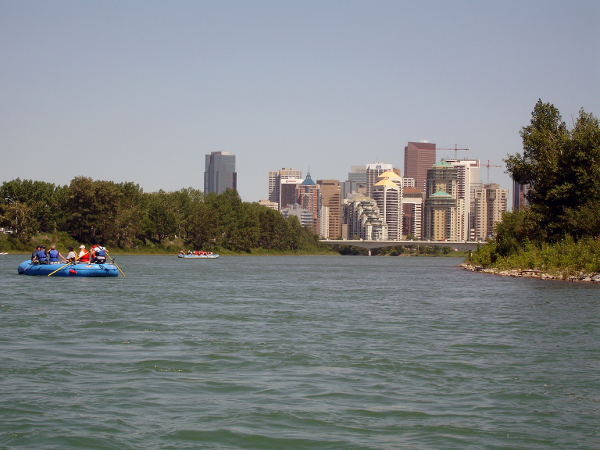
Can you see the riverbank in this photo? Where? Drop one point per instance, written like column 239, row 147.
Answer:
column 533, row 273
column 565, row 260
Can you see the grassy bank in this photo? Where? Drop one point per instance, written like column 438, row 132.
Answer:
column 564, row 258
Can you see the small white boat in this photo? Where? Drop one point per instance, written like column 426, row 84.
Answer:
column 199, row 256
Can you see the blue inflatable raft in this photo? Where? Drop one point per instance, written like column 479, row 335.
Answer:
column 68, row 270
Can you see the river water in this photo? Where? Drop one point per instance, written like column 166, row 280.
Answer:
column 297, row 352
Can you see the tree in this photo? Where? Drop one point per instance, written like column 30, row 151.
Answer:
column 41, row 200
column 202, row 226
column 19, row 217
column 160, row 212
column 561, row 168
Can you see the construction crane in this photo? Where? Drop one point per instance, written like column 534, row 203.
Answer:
column 456, row 149
column 488, row 165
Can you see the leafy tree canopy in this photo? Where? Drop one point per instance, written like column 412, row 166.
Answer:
column 561, row 168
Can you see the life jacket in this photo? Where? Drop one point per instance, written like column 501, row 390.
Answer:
column 100, row 254
column 53, row 254
column 41, row 256
column 85, row 257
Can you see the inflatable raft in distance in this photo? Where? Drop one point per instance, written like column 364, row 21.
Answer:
column 199, row 256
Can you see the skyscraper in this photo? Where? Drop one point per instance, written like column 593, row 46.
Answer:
column 373, row 172
column 356, row 181
column 467, row 181
column 419, row 157
column 219, row 172
column 488, row 205
column 277, row 178
column 442, row 218
column 331, row 197
column 519, row 193
column 308, row 195
column 388, row 194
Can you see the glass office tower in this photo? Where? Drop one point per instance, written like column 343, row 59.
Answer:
column 220, row 172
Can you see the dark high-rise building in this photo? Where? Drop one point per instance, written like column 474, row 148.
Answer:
column 419, row 157
column 220, row 172
column 519, row 199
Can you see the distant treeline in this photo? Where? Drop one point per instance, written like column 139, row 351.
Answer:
column 121, row 214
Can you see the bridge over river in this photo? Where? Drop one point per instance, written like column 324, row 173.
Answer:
column 370, row 245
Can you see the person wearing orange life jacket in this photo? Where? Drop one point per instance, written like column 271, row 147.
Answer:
column 84, row 255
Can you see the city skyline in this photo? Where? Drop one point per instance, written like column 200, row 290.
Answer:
column 141, row 92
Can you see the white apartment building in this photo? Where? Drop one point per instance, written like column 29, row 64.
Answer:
column 304, row 215
column 467, row 180
column 387, row 192
column 408, row 182
column 373, row 172
column 412, row 213
column 365, row 220
column 324, row 222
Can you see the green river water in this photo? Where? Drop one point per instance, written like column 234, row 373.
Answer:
column 297, row 352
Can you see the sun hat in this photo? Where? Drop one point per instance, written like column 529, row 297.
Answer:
column 82, row 246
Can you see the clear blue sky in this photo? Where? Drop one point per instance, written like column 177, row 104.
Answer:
column 141, row 90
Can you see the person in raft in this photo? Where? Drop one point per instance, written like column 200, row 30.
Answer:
column 35, row 252
column 54, row 254
column 98, row 253
column 40, row 255
column 84, row 255
column 72, row 256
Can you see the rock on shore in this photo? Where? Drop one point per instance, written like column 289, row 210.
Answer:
column 532, row 273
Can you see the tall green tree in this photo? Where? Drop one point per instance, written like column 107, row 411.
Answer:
column 202, row 226
column 92, row 208
column 131, row 213
column 561, row 168
column 160, row 212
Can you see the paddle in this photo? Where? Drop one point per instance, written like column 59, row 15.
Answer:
column 58, row 269
column 113, row 261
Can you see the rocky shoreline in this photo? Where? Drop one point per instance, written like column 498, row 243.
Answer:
column 532, row 273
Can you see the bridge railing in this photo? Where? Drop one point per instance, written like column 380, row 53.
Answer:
column 463, row 245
